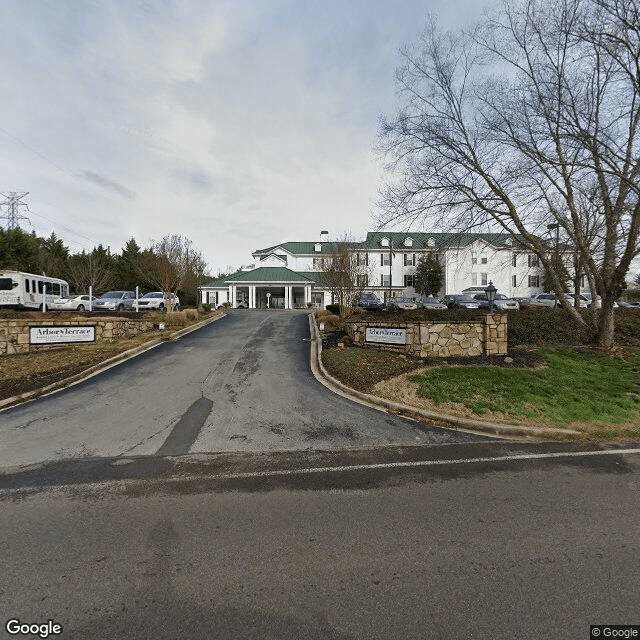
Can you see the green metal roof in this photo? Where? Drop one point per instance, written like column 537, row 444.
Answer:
column 420, row 241
column 266, row 274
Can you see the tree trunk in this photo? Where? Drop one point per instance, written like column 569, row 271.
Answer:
column 606, row 323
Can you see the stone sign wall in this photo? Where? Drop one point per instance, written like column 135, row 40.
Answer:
column 14, row 334
column 485, row 336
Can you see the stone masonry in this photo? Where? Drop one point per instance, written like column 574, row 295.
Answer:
column 14, row 334
column 486, row 336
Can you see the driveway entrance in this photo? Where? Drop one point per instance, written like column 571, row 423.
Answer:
column 240, row 384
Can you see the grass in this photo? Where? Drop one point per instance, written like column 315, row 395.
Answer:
column 575, row 387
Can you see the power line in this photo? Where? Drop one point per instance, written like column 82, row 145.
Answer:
column 13, row 204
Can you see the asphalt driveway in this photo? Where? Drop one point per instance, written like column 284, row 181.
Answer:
column 240, row 384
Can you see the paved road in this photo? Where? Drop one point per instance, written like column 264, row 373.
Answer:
column 240, row 384
column 489, row 549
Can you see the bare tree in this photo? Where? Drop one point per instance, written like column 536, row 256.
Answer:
column 510, row 124
column 95, row 269
column 346, row 273
column 169, row 264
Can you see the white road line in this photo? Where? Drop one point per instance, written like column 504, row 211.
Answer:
column 427, row 463
column 315, row 470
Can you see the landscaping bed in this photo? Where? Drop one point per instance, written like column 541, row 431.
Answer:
column 550, row 378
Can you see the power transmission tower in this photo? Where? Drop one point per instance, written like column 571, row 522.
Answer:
column 13, row 204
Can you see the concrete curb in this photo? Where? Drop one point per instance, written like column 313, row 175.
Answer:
column 103, row 366
column 475, row 426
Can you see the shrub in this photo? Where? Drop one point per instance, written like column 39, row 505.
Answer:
column 334, row 309
column 175, row 319
column 323, row 314
column 545, row 326
column 206, row 308
column 332, row 321
column 191, row 314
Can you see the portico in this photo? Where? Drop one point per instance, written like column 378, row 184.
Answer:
column 262, row 288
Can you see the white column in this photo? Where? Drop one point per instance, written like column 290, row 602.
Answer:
column 289, row 297
column 252, row 297
column 233, row 296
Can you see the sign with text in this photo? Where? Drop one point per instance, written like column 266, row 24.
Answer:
column 60, row 335
column 388, row 336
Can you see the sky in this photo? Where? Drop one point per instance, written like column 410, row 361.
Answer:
column 238, row 124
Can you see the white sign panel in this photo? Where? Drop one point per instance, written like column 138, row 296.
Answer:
column 57, row 335
column 389, row 336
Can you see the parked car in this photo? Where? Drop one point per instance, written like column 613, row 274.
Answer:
column 115, row 301
column 460, row 302
column 583, row 302
column 598, row 303
column 72, row 303
column 368, row 302
column 157, row 301
column 629, row 304
column 543, row 300
column 405, row 304
column 431, row 303
column 501, row 302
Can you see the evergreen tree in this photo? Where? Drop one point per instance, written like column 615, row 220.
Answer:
column 429, row 276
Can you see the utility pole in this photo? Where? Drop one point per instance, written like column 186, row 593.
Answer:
column 13, row 204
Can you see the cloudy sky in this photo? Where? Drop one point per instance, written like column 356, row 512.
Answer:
column 239, row 124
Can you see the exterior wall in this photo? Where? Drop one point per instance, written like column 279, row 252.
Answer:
column 14, row 334
column 459, row 270
column 486, row 336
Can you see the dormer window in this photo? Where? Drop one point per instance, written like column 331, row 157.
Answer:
column 408, row 242
column 317, row 247
column 431, row 242
column 384, row 242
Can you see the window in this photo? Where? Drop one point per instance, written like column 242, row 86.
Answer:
column 514, row 281
column 385, row 259
column 514, row 260
column 363, row 280
column 534, row 281
column 26, row 285
column 474, row 279
column 483, row 279
column 533, row 261
column 362, row 259
column 384, row 242
column 409, row 259
column 410, row 281
column 384, row 280
column 317, row 264
column 483, row 258
column 474, row 257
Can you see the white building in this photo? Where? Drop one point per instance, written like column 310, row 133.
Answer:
column 289, row 275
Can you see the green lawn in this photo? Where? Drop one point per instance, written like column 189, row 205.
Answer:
column 577, row 386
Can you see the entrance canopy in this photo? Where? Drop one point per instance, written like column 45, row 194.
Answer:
column 261, row 288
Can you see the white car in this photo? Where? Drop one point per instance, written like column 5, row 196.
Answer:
column 75, row 303
column 157, row 301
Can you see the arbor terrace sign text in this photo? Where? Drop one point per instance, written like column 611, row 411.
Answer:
column 58, row 335
column 388, row 336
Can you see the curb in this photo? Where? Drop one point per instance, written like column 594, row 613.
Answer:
column 475, row 426
column 103, row 366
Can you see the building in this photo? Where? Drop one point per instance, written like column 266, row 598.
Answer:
column 290, row 275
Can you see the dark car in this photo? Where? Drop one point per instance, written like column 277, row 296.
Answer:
column 460, row 302
column 368, row 302
column 432, row 304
